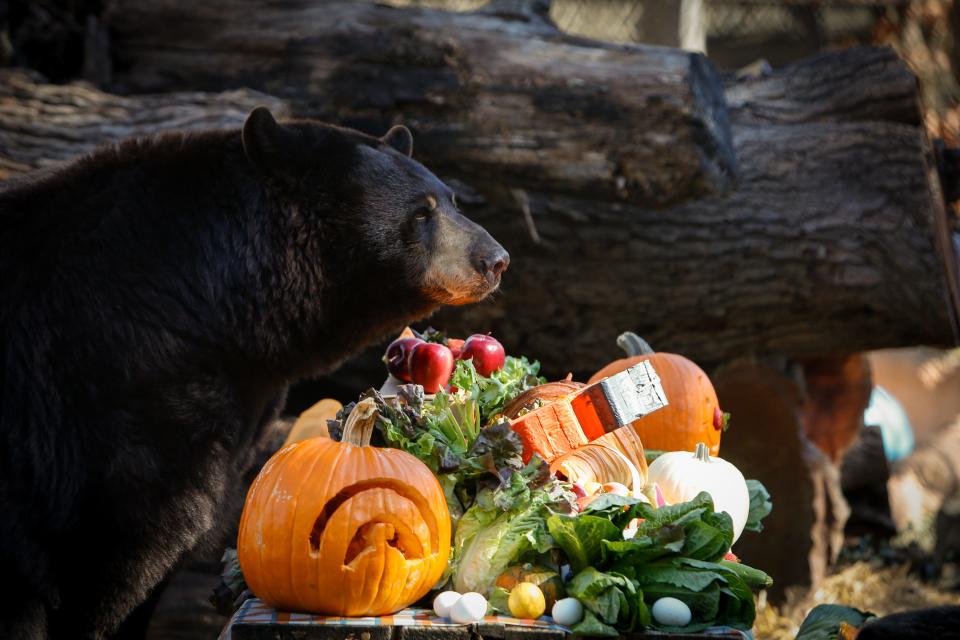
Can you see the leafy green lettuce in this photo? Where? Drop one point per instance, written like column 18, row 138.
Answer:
column 611, row 601
column 504, row 524
column 823, row 622
column 491, row 394
column 450, row 432
column 581, row 538
column 677, row 551
column 760, row 506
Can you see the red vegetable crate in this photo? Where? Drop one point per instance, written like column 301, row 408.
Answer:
column 600, row 408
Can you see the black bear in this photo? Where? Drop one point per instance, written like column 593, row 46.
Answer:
column 942, row 623
column 157, row 297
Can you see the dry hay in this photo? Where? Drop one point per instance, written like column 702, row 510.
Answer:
column 860, row 585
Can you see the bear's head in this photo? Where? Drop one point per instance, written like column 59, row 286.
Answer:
column 374, row 212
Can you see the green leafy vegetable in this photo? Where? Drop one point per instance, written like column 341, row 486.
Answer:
column 752, row 577
column 499, row 600
column 496, row 447
column 604, row 594
column 676, row 573
column 503, row 524
column 677, row 551
column 823, row 621
column 448, row 433
column 611, row 506
column 715, row 594
column 652, row 454
column 498, row 505
column 581, row 538
column 760, row 505
column 492, row 393
column 590, row 626
column 643, row 548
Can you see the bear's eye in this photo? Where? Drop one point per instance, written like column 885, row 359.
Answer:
column 422, row 214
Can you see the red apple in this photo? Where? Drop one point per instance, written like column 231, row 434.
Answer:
column 578, row 490
column 397, row 357
column 431, row 364
column 486, row 351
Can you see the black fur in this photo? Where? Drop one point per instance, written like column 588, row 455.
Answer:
column 157, row 298
column 939, row 623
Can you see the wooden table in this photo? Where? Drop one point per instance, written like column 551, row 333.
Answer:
column 256, row 621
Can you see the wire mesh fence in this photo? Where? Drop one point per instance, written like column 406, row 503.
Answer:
column 639, row 20
column 736, row 33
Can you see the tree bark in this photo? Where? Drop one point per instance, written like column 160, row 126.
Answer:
column 43, row 124
column 803, row 534
column 826, row 243
column 497, row 93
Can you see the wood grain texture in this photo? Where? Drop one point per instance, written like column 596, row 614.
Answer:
column 42, row 124
column 765, row 441
column 841, row 86
column 505, row 95
column 826, row 243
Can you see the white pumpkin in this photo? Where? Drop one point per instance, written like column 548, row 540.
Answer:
column 681, row 475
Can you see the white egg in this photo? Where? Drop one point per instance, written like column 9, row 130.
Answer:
column 567, row 611
column 470, row 608
column 671, row 612
column 443, row 602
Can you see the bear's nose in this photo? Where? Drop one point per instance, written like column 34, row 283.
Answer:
column 495, row 264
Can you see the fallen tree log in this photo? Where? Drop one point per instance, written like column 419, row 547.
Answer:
column 42, row 124
column 506, row 95
column 827, row 245
column 827, row 242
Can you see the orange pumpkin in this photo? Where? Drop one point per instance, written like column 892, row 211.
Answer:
column 538, row 396
column 693, row 414
column 344, row 528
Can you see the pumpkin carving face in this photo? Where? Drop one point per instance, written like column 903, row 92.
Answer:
column 343, row 528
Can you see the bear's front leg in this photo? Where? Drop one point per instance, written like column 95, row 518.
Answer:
column 168, row 481
column 23, row 618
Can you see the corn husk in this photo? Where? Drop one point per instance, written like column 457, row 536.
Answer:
column 598, row 463
column 626, row 441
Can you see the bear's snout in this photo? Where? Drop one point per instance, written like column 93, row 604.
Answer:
column 493, row 264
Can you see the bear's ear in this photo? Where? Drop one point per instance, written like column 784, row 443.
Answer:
column 265, row 141
column 400, row 138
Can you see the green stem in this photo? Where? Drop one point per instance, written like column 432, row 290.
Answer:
column 702, row 453
column 634, row 345
column 456, row 423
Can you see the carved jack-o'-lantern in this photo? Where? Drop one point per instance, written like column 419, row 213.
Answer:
column 344, row 528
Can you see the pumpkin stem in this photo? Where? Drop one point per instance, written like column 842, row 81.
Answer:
column 634, row 345
column 358, row 428
column 702, row 453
